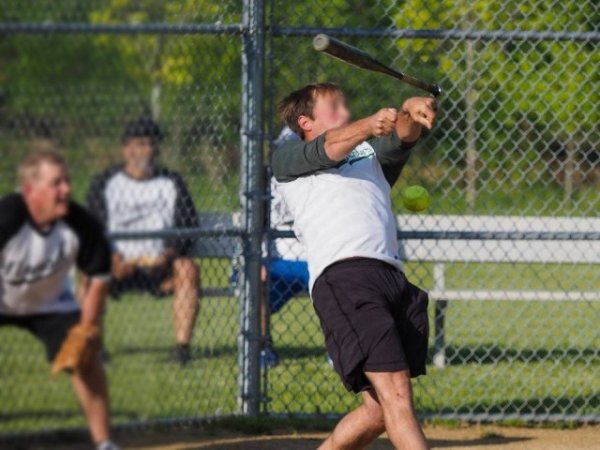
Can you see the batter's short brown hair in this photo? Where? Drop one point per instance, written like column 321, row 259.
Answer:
column 302, row 102
column 28, row 169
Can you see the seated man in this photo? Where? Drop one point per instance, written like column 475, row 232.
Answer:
column 287, row 270
column 141, row 196
column 43, row 235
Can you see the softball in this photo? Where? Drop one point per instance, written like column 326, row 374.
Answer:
column 415, row 198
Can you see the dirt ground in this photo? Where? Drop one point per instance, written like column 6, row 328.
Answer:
column 468, row 437
column 471, row 437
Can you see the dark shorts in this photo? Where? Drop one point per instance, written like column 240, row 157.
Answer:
column 374, row 320
column 142, row 280
column 287, row 279
column 51, row 329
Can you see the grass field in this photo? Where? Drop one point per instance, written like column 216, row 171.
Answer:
column 512, row 357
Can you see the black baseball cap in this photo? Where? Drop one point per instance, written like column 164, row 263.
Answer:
column 144, row 127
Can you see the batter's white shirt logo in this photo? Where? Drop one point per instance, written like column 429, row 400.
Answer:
column 362, row 151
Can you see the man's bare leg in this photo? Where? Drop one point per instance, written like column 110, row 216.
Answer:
column 395, row 396
column 186, row 304
column 92, row 393
column 358, row 428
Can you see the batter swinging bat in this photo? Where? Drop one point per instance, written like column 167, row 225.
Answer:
column 358, row 58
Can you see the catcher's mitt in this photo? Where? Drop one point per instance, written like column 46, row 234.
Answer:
column 77, row 350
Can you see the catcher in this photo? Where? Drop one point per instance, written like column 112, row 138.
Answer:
column 43, row 234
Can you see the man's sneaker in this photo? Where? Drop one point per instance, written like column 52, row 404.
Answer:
column 107, row 445
column 268, row 358
column 181, row 354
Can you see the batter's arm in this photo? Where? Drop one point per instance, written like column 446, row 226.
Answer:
column 300, row 158
column 340, row 142
column 295, row 159
column 392, row 153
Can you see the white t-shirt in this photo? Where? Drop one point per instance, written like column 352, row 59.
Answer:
column 282, row 220
column 342, row 209
column 35, row 264
column 281, row 217
column 159, row 202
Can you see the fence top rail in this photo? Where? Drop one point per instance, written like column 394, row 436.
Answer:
column 404, row 33
column 279, row 31
column 138, row 28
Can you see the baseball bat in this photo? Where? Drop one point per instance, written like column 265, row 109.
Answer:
column 358, row 58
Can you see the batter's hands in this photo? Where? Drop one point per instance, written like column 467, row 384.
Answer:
column 417, row 112
column 383, row 122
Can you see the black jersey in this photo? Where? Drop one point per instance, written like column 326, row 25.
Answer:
column 159, row 202
column 35, row 265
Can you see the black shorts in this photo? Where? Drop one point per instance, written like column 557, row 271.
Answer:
column 374, row 320
column 51, row 328
column 142, row 280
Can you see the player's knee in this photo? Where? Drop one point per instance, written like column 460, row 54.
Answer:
column 397, row 393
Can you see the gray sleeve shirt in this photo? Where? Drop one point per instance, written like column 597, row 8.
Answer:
column 295, row 159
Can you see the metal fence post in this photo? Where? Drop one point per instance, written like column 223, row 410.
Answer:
column 252, row 198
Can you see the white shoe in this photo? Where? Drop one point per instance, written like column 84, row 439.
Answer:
column 107, row 445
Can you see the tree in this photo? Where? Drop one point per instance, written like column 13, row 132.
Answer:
column 512, row 92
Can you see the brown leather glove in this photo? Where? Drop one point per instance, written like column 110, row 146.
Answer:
column 78, row 350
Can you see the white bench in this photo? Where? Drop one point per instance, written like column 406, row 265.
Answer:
column 218, row 236
column 496, row 239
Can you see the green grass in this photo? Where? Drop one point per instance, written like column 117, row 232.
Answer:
column 514, row 357
column 503, row 357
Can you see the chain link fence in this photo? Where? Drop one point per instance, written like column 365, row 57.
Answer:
column 512, row 163
column 508, row 248
column 94, row 80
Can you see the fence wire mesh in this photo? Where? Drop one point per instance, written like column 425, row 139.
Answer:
column 94, row 98
column 515, row 320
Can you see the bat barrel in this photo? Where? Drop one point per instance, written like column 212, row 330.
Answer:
column 354, row 56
